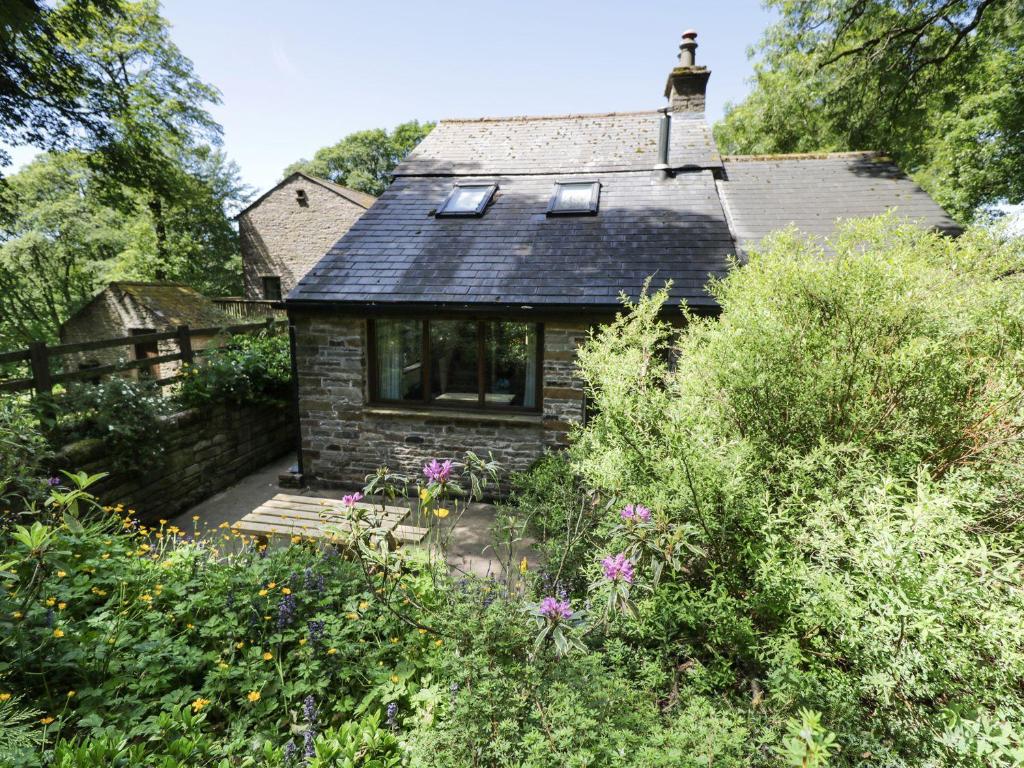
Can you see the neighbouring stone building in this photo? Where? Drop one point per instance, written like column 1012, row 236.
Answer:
column 448, row 317
column 127, row 308
column 288, row 229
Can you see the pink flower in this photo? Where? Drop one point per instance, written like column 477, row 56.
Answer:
column 618, row 568
column 555, row 609
column 635, row 512
column 438, row 473
column 349, row 502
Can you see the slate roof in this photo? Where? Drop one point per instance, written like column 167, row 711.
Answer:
column 175, row 304
column 399, row 253
column 618, row 141
column 765, row 193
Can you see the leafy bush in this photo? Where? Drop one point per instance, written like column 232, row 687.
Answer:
column 124, row 413
column 249, row 370
column 838, row 456
column 23, row 456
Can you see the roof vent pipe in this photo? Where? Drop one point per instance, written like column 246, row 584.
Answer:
column 664, row 134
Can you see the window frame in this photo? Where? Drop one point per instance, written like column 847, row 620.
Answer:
column 263, row 287
column 481, row 207
column 592, row 206
column 425, row 401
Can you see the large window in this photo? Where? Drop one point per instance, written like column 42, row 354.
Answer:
column 490, row 364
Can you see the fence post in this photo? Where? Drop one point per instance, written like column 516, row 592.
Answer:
column 270, row 325
column 39, row 357
column 185, row 345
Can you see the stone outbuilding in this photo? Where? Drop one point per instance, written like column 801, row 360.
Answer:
column 126, row 308
column 286, row 231
column 448, row 317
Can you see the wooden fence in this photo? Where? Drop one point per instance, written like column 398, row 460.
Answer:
column 248, row 309
column 39, row 355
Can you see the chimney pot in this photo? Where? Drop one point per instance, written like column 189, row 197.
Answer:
column 687, row 83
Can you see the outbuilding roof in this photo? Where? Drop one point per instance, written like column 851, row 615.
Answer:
column 361, row 199
column 174, row 304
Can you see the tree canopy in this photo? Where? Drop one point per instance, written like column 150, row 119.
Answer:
column 364, row 160
column 937, row 84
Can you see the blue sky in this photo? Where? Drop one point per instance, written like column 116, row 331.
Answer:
column 298, row 75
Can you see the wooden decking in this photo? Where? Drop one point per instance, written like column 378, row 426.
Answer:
column 315, row 518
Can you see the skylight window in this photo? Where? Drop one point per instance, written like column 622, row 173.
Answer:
column 467, row 200
column 575, row 197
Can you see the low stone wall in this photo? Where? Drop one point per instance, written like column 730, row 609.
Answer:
column 205, row 451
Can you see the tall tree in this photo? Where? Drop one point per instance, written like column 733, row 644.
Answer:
column 938, row 84
column 364, row 160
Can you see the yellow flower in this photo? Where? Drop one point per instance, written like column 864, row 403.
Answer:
column 189, row 626
column 441, row 512
column 296, row 539
column 439, row 641
column 58, row 633
column 263, row 593
column 271, row 585
column 240, row 644
column 71, row 694
column 423, row 494
column 158, row 588
column 222, row 665
column 163, row 522
column 330, row 652
column 105, row 556
column 5, row 696
column 61, row 574
column 199, row 704
column 225, row 524
column 146, row 598
column 523, row 566
column 253, row 696
column 46, row 720
column 267, row 656
column 17, row 615
column 285, row 591
column 195, row 518
column 61, row 606
column 302, row 641
column 352, row 615
column 422, row 631
column 51, row 601
column 394, row 678
column 363, row 605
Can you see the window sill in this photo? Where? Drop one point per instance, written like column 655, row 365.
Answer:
column 452, row 414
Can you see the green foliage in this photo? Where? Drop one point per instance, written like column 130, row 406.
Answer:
column 124, row 413
column 23, row 455
column 249, row 370
column 841, row 452
column 364, row 160
column 935, row 83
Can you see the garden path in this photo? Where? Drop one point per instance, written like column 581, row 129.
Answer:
column 468, row 548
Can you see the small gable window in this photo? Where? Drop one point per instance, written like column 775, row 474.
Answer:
column 271, row 288
column 574, row 197
column 467, row 200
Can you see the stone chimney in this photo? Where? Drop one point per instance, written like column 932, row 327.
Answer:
column 687, row 83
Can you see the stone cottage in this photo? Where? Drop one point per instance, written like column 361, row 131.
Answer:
column 127, row 308
column 447, row 318
column 286, row 231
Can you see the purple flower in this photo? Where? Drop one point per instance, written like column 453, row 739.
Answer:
column 286, row 611
column 555, row 609
column 438, row 473
column 54, row 480
column 309, row 742
column 349, row 502
column 618, row 568
column 392, row 713
column 316, row 631
column 290, row 752
column 309, row 709
column 635, row 512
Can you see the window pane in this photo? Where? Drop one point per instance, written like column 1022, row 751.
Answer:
column 510, row 364
column 467, row 198
column 574, row 197
column 399, row 359
column 453, row 362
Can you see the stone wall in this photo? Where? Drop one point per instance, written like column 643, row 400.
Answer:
column 283, row 237
column 345, row 438
column 205, row 452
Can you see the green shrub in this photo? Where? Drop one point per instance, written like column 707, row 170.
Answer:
column 24, row 454
column 249, row 370
column 840, row 455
